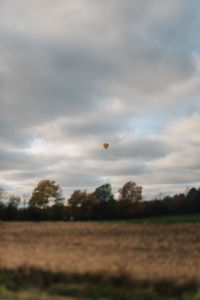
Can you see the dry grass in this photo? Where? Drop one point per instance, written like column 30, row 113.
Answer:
column 144, row 251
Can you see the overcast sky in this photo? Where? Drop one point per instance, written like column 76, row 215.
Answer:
column 77, row 73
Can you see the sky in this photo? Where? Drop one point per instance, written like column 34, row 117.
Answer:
column 77, row 73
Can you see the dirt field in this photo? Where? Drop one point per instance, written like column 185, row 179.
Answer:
column 145, row 251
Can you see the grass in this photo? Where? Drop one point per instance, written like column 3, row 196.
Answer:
column 31, row 283
column 165, row 219
column 91, row 260
column 169, row 219
column 142, row 250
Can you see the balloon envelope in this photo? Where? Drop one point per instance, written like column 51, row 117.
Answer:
column 106, row 145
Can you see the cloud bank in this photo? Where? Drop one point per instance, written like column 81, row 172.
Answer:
column 77, row 73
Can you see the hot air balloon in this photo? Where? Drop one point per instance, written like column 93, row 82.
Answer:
column 106, row 145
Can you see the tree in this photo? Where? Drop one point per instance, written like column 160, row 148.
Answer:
column 82, row 204
column 130, row 191
column 88, row 205
column 77, row 197
column 46, row 191
column 3, row 196
column 14, row 201
column 75, row 202
column 2, row 204
column 12, row 211
column 104, row 192
column 192, row 200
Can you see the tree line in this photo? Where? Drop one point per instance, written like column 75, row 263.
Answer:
column 47, row 203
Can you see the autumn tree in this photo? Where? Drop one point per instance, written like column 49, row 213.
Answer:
column 75, row 202
column 44, row 192
column 130, row 196
column 88, row 205
column 130, row 191
column 77, row 197
column 82, row 204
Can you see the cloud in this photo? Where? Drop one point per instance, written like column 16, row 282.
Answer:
column 74, row 74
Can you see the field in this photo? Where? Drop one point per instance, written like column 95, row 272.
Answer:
column 103, row 260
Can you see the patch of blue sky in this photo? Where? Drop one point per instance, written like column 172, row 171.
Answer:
column 184, row 109
column 152, row 124
column 147, row 124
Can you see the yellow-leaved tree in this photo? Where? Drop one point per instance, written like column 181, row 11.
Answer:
column 45, row 192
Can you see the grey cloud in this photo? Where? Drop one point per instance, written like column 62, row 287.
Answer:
column 138, row 148
column 23, row 162
column 63, row 61
column 133, row 168
column 176, row 177
column 92, row 127
column 80, row 181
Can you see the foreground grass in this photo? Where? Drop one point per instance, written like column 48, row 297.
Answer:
column 29, row 294
column 32, row 284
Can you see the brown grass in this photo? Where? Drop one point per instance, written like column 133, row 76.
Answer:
column 149, row 252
